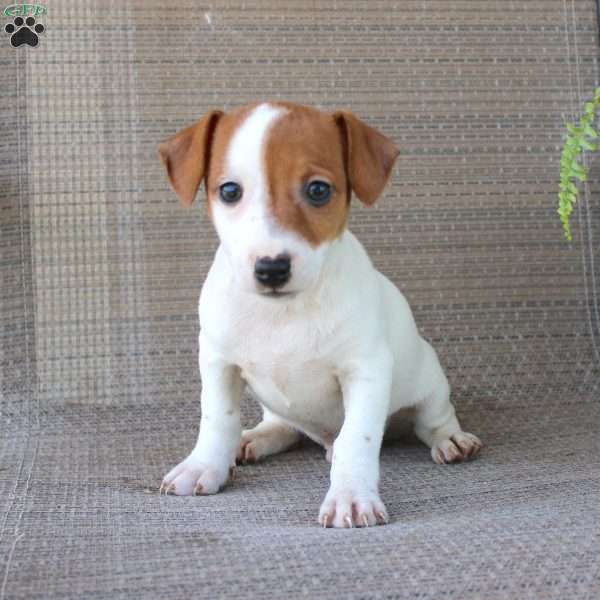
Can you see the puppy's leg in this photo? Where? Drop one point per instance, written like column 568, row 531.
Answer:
column 270, row 436
column 207, row 468
column 353, row 496
column 435, row 420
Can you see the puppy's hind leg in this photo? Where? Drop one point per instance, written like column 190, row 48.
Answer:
column 435, row 420
column 270, row 436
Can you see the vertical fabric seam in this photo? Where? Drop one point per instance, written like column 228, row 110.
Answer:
column 573, row 101
column 587, row 205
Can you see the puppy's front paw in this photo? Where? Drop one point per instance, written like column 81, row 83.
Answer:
column 194, row 477
column 352, row 508
column 459, row 447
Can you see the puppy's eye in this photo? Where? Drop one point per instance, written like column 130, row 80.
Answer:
column 230, row 192
column 318, row 192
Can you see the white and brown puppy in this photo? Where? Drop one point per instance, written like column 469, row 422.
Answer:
column 293, row 309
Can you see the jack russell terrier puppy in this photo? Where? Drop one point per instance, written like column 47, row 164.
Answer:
column 293, row 309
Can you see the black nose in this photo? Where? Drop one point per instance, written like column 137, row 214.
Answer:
column 273, row 272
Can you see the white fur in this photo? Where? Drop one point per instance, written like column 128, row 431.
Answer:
column 334, row 361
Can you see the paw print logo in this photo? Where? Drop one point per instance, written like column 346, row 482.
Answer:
column 24, row 31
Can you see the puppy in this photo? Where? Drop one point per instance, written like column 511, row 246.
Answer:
column 293, row 310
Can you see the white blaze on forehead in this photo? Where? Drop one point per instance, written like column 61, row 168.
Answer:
column 244, row 161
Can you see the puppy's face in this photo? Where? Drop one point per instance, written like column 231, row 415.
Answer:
column 278, row 178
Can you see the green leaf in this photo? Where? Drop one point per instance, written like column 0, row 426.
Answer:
column 575, row 143
column 568, row 186
column 588, row 146
column 569, row 158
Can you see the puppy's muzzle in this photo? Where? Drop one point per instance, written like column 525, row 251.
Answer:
column 273, row 272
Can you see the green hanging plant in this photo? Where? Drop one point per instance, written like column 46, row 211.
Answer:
column 571, row 170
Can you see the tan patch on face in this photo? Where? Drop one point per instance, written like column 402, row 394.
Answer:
column 305, row 145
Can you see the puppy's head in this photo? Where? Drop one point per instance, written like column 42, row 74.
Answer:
column 279, row 178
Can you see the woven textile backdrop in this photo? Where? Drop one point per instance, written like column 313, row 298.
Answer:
column 104, row 266
column 101, row 269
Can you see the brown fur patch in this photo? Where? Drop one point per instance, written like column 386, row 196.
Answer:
column 187, row 154
column 303, row 145
column 197, row 152
column 370, row 156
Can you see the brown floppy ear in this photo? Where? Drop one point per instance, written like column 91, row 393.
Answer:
column 370, row 156
column 186, row 156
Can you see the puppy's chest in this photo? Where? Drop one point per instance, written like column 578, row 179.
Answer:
column 289, row 365
column 305, row 393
